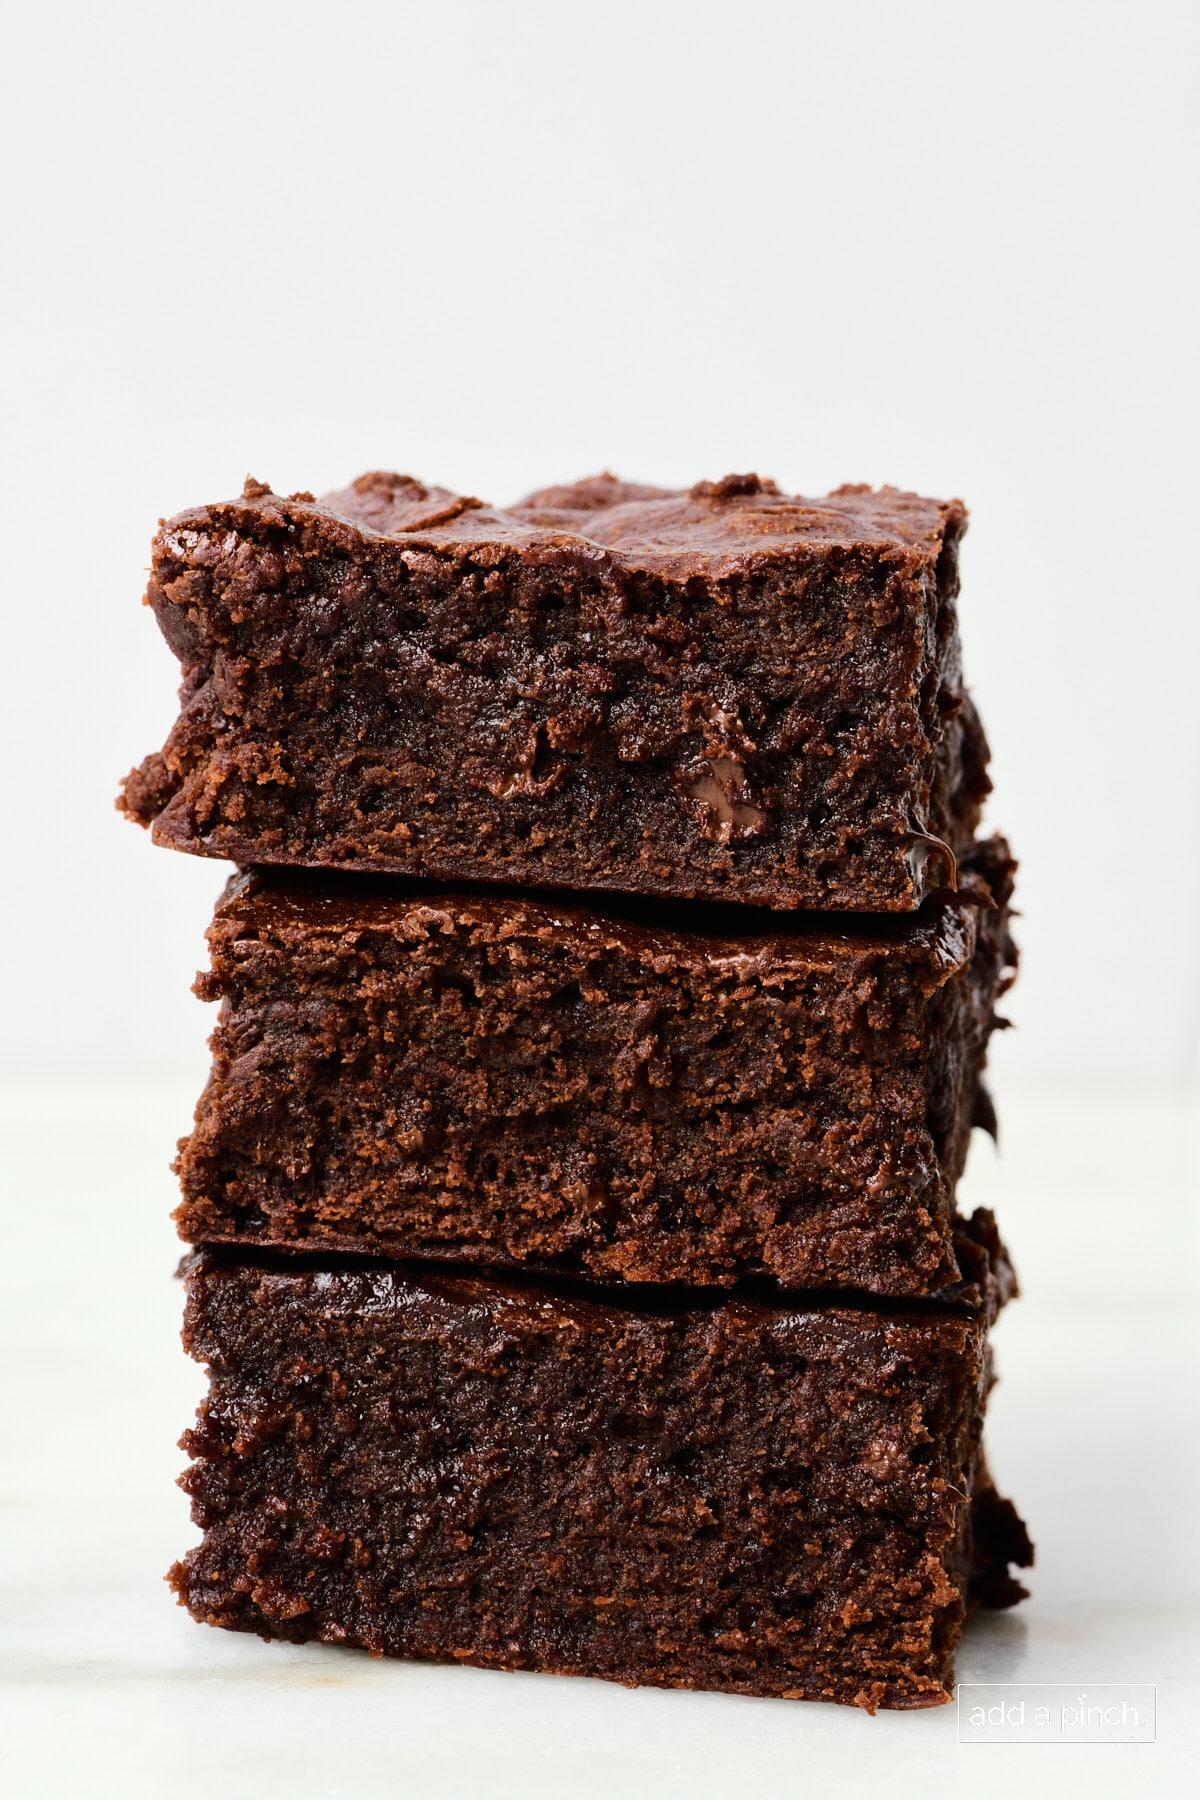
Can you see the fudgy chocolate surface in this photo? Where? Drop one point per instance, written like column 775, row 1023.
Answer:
column 768, row 1501
column 727, row 692
column 662, row 1094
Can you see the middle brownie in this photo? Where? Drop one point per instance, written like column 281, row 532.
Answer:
column 506, row 1079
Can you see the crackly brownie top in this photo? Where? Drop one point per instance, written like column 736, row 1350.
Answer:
column 716, row 528
column 405, row 1288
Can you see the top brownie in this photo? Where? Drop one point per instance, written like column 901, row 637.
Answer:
column 726, row 691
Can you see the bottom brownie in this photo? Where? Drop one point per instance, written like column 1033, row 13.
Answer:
column 766, row 1499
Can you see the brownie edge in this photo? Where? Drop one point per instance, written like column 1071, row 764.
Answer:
column 760, row 1500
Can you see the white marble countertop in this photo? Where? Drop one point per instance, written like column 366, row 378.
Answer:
column 108, row 1689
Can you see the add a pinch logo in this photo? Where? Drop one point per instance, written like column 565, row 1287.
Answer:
column 1055, row 1713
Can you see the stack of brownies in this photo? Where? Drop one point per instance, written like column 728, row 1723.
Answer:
column 606, row 987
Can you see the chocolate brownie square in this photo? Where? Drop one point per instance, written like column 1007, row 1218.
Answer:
column 767, row 1500
column 722, row 692
column 654, row 1093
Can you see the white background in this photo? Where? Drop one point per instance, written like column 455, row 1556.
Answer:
column 946, row 245
column 950, row 246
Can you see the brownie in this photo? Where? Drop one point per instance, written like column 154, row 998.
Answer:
column 722, row 692
column 758, row 1499
column 664, row 1092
